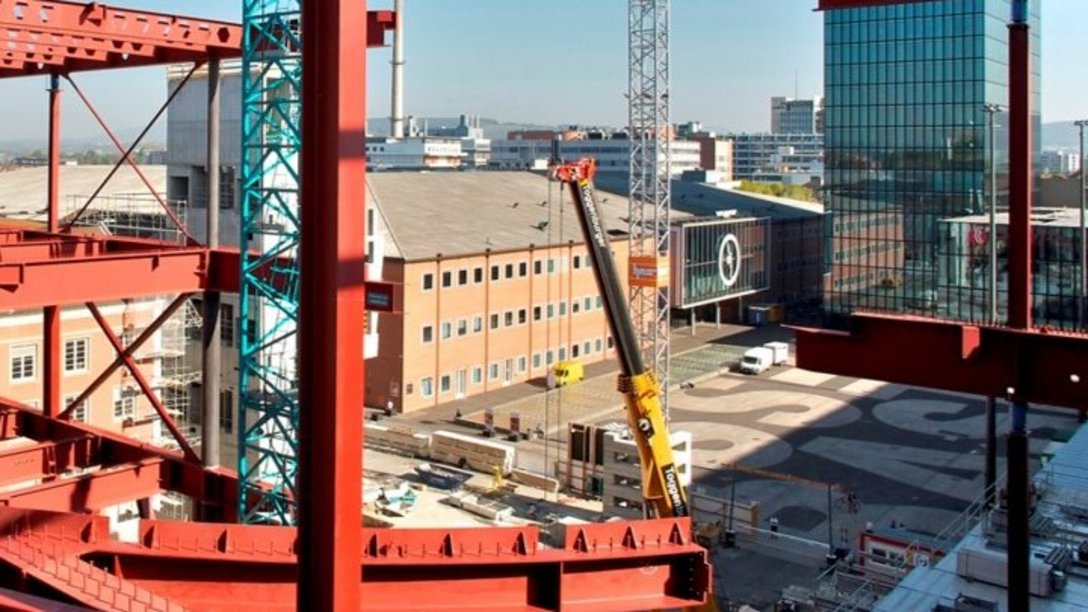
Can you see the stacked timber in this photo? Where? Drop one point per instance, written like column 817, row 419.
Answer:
column 471, row 452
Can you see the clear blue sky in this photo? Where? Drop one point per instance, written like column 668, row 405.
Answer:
column 558, row 61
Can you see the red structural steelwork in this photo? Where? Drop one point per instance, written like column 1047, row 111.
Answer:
column 100, row 468
column 50, row 467
column 621, row 566
column 40, row 269
column 62, row 37
column 1039, row 367
column 332, row 304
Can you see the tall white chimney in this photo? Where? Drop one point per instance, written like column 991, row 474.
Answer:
column 396, row 120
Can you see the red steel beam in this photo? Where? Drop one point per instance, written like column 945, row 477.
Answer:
column 1038, row 367
column 106, row 278
column 332, row 303
column 217, row 487
column 621, row 566
column 160, row 30
column 46, row 459
column 94, row 491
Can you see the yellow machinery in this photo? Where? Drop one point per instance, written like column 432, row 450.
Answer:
column 662, row 491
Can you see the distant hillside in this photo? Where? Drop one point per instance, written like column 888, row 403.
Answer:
column 1060, row 135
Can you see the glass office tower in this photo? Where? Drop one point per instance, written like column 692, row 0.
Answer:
column 907, row 149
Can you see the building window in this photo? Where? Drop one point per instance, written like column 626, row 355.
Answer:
column 447, row 330
column 80, row 412
column 587, row 304
column 75, row 354
column 523, row 364
column 575, row 306
column 551, row 265
column 537, row 313
column 226, row 410
column 509, row 270
column 447, row 279
column 226, row 324
column 495, row 321
column 478, row 275
column 428, row 333
column 536, row 361
column 608, row 342
column 24, row 360
column 495, row 273
column 508, row 318
column 494, row 371
column 538, row 267
column 477, row 324
column 551, row 357
column 562, row 353
column 585, row 348
column 562, row 308
column 444, row 383
column 551, row 310
column 426, row 387
column 597, row 345
column 428, row 281
column 577, row 262
column 523, row 316
column 574, row 350
column 462, row 277
column 599, row 302
column 462, row 327
column 124, row 403
column 477, row 375
column 523, row 269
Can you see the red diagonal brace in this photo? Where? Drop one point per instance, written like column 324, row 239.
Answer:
column 140, row 380
column 126, row 154
column 132, row 348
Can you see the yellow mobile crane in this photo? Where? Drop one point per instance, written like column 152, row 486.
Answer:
column 662, row 491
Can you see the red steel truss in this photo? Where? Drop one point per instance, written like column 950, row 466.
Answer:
column 46, row 37
column 55, row 474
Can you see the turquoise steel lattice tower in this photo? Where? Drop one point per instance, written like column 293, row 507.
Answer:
column 268, row 377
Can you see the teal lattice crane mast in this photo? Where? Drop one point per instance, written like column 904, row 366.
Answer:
column 271, row 142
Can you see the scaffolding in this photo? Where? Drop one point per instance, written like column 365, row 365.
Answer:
column 171, row 363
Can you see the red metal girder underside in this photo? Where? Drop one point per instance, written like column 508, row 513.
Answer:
column 129, row 470
column 1037, row 366
column 613, row 566
column 39, row 269
column 45, row 36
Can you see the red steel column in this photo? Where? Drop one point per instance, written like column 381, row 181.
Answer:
column 332, row 308
column 51, row 401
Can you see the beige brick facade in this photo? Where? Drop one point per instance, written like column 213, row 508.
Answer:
column 477, row 323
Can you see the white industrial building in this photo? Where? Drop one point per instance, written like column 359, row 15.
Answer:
column 413, row 153
column 611, row 150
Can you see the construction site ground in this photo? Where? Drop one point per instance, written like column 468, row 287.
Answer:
column 908, row 457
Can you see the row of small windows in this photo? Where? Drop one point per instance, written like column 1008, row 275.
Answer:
column 469, row 276
column 23, row 359
column 505, row 370
column 510, row 318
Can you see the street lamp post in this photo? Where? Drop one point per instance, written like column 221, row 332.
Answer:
column 992, row 110
column 1082, row 303
column 990, row 474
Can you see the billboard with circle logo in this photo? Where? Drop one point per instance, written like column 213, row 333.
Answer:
column 717, row 259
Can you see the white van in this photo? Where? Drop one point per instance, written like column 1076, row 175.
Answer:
column 756, row 360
